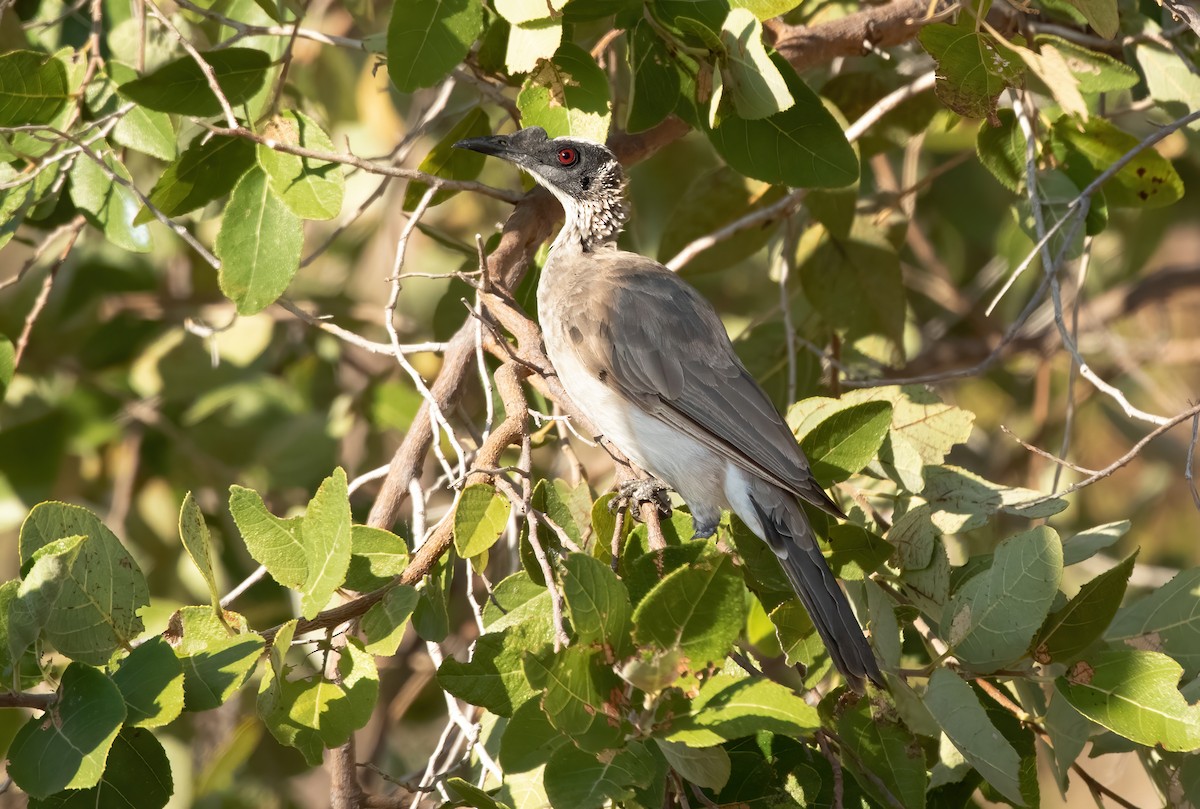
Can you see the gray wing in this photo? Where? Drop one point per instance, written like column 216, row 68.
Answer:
column 665, row 349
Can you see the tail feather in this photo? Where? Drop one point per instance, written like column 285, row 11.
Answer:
column 789, row 534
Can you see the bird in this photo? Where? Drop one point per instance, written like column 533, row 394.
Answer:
column 647, row 359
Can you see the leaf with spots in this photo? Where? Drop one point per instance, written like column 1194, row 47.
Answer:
column 1147, row 181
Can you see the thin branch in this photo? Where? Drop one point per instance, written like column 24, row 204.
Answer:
column 38, row 702
column 1188, row 472
column 39, row 303
column 1083, row 470
column 209, row 75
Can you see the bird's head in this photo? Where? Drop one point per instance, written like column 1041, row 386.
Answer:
column 583, row 174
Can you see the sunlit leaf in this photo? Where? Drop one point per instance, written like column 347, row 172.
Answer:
column 259, row 244
column 428, row 38
column 181, row 87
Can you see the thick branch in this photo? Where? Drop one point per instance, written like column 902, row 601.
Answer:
column 856, row 34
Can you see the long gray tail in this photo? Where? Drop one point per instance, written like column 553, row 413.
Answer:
column 786, row 529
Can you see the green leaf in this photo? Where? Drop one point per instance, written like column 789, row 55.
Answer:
column 855, row 282
column 426, row 39
column 472, row 795
column 655, row 81
column 1100, row 14
column 1077, row 624
column 529, row 739
column 32, row 606
column 929, row 586
column 961, row 500
column 1096, row 72
column 1068, row 731
column 965, row 722
column 576, row 687
column 198, row 544
column 700, row 609
column 582, row 780
column 567, row 95
column 376, row 557
column 1172, row 84
column 914, row 536
column 598, row 604
column 886, row 758
column 209, row 168
column 111, row 206
column 796, row 634
column 312, row 189
column 137, row 769
column 383, row 625
column 259, row 245
column 1001, row 150
column 991, row 620
column 312, row 713
column 766, row 9
column 143, row 129
column 532, row 43
column 65, row 748
column 33, row 88
column 216, row 659
column 151, row 682
column 715, row 199
column 1134, row 694
column 495, row 676
column 729, row 708
column 802, row 147
column 325, row 533
column 707, row 767
column 479, row 518
column 181, row 87
column 1086, row 544
column 1166, row 620
column 1148, row 181
column 8, row 367
column 973, row 69
column 445, row 161
column 749, row 75
column 275, row 543
column 96, row 610
column 841, row 445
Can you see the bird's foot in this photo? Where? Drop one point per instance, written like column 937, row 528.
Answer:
column 703, row 530
column 632, row 493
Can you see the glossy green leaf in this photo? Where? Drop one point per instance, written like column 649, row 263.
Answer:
column 312, row 713
column 699, row 609
column 311, row 189
column 965, row 722
column 582, row 780
column 1147, row 181
column 973, row 69
column 494, row 678
column 136, row 773
column 66, row 747
column 33, row 88
column 991, row 620
column 472, row 795
column 885, row 757
column 1001, row 150
column 96, row 610
column 445, row 161
column 151, row 682
column 110, row 206
column 1166, row 620
column 598, row 604
column 146, row 130
column 655, row 81
column 1134, row 694
column 855, row 282
column 325, row 533
column 384, row 624
column 193, row 530
column 729, row 707
column 750, row 77
column 567, row 95
column 576, row 687
column 259, row 244
column 181, row 87
column 803, row 146
column 209, row 168
column 376, row 557
column 841, row 445
column 1071, row 629
column 428, row 38
column 217, row 659
column 479, row 518
column 275, row 543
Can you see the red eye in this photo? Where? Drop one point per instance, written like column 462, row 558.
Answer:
column 568, row 157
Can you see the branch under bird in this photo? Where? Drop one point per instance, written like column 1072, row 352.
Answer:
column 646, row 358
